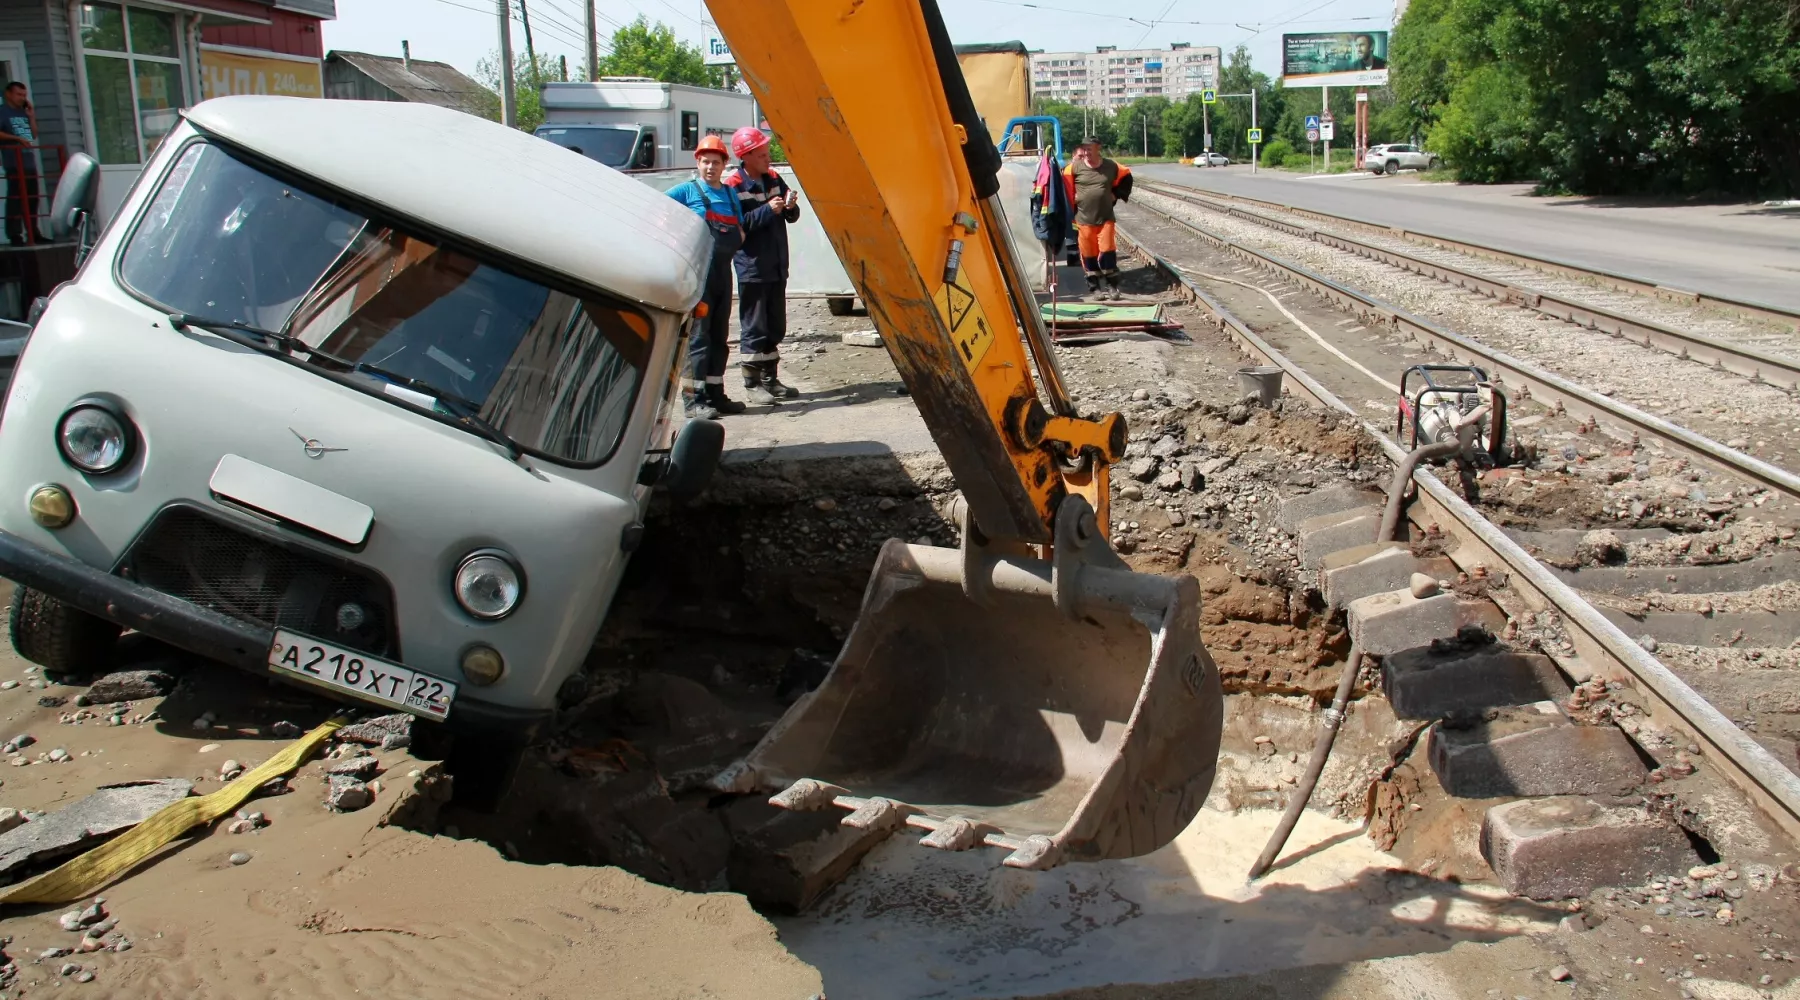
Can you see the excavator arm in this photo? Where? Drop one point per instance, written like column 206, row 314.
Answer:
column 1029, row 691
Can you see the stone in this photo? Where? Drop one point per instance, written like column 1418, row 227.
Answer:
column 1600, row 547
column 1327, row 533
column 127, row 685
column 1428, row 683
column 360, row 768
column 241, row 826
column 68, row 969
column 1169, row 480
column 71, row 921
column 1192, row 479
column 1531, row 750
column 1385, row 624
column 1331, row 500
column 1376, row 568
column 1140, row 395
column 87, row 821
column 19, row 742
column 861, row 338
column 229, row 770
column 58, row 755
column 1561, row 974
column 1555, row 848
column 239, row 858
column 209, row 748
column 374, row 732
column 347, row 794
column 1166, row 446
column 8, row 685
column 1143, row 469
column 285, row 730
column 1131, row 491
column 1238, row 414
column 785, row 860
column 1213, row 465
column 84, row 976
column 825, row 505
column 1423, row 585
column 1648, row 642
column 10, row 818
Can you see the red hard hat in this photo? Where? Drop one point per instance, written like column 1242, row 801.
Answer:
column 710, row 144
column 748, row 140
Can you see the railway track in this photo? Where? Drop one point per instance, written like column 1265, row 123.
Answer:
column 1739, row 767
column 1553, row 390
column 1240, row 206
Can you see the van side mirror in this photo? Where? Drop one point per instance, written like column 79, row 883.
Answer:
column 75, row 196
column 690, row 464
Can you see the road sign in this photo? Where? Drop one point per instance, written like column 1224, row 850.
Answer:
column 1312, row 123
column 1362, row 97
column 1255, row 136
column 1209, row 96
column 1312, row 135
column 1327, row 131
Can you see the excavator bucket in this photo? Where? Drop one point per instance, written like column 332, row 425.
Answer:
column 1063, row 711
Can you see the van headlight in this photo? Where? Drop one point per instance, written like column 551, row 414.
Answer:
column 488, row 584
column 95, row 438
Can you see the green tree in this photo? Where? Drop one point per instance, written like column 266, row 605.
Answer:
column 643, row 49
column 526, row 80
column 1138, row 124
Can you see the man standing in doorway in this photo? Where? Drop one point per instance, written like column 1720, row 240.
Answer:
column 1095, row 184
column 762, row 265
column 18, row 136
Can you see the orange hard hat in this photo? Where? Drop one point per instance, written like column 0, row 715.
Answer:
column 711, row 144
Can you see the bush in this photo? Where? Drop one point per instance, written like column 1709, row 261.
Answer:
column 1488, row 130
column 1275, row 153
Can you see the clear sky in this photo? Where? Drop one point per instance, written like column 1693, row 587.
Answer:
column 460, row 32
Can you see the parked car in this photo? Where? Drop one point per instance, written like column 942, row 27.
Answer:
column 1212, row 160
column 1395, row 157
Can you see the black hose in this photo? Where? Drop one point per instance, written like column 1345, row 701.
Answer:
column 1334, row 718
column 1396, row 501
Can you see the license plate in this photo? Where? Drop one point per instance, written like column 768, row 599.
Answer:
column 365, row 676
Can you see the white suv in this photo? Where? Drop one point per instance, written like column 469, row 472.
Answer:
column 1395, row 157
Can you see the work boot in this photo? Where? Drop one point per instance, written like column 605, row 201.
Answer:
column 696, row 407
column 716, row 398
column 754, row 390
column 1094, row 285
column 1112, row 283
column 774, row 386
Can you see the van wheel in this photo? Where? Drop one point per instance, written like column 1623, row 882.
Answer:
column 1375, row 168
column 1393, row 167
column 841, row 305
column 57, row 637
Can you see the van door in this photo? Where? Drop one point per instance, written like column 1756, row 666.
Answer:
column 645, row 159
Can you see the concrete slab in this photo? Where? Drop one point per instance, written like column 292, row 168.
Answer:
column 1425, row 683
column 88, row 821
column 1637, row 580
column 1532, row 750
column 1352, row 574
column 1384, row 624
column 1331, row 500
column 849, row 439
column 1750, row 628
column 1567, row 846
column 1320, row 536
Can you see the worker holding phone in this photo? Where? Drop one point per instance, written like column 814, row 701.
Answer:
column 18, row 139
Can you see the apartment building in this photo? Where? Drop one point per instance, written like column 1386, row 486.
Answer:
column 1110, row 77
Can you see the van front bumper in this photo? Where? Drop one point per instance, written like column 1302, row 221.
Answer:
column 206, row 633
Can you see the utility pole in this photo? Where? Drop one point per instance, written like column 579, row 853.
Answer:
column 1325, row 113
column 509, row 110
column 1255, row 147
column 593, row 45
column 530, row 50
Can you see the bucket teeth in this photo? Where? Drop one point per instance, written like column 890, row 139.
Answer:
column 958, row 833
column 807, row 795
column 879, row 814
column 1038, row 853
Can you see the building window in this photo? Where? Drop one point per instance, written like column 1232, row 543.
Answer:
column 136, row 86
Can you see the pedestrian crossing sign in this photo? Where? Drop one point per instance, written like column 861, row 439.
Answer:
column 1209, row 96
column 1255, row 136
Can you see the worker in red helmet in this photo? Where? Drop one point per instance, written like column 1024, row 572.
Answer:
column 717, row 205
column 762, row 265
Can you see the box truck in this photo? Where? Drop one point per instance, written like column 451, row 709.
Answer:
column 636, row 123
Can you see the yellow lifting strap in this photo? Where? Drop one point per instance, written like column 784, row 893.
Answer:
column 86, row 874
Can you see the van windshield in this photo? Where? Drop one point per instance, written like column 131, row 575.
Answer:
column 611, row 146
column 554, row 370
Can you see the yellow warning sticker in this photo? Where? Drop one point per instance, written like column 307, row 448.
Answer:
column 969, row 328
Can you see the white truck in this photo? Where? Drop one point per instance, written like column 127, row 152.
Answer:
column 636, row 123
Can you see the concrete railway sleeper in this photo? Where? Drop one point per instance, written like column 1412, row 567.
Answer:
column 1758, row 366
column 1602, row 663
column 1524, row 379
column 1609, row 279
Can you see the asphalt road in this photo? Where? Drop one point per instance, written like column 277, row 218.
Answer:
column 1748, row 252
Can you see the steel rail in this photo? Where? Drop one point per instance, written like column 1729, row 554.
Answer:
column 1549, row 265
column 1741, row 761
column 1757, row 365
column 1534, row 382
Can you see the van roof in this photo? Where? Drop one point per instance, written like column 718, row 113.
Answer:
column 489, row 184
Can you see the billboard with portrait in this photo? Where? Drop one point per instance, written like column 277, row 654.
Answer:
column 1335, row 59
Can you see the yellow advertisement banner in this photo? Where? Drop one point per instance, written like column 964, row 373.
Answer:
column 227, row 73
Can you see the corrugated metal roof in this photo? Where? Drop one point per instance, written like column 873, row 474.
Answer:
column 421, row 81
column 322, row 8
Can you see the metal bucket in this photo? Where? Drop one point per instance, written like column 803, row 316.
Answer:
column 1002, row 720
column 1261, row 381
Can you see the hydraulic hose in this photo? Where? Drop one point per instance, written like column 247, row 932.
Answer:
column 1396, row 501
column 1334, row 719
